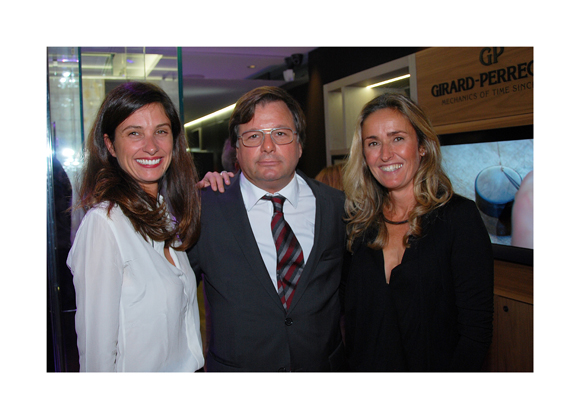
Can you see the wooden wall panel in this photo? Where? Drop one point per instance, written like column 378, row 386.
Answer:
column 471, row 88
column 515, row 335
column 512, row 346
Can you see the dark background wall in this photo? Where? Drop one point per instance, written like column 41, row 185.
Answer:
column 325, row 65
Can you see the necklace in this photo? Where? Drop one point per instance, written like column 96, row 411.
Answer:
column 395, row 222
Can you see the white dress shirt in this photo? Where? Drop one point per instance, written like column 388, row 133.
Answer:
column 299, row 212
column 135, row 310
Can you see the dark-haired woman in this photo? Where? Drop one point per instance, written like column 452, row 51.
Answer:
column 419, row 295
column 137, row 306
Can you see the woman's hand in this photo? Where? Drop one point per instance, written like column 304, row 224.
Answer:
column 215, row 180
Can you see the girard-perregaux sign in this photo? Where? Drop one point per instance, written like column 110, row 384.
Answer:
column 487, row 87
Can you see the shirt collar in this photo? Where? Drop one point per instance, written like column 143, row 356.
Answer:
column 252, row 194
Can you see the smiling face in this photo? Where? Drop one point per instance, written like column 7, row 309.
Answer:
column 143, row 145
column 269, row 166
column 391, row 149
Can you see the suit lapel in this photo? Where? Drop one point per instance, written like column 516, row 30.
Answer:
column 234, row 211
column 317, row 245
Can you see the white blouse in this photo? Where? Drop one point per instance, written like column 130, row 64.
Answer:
column 135, row 310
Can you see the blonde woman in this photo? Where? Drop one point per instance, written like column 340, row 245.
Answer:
column 419, row 293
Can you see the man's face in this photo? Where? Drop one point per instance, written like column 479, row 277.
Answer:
column 269, row 166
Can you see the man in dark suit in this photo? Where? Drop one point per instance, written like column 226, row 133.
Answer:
column 266, row 316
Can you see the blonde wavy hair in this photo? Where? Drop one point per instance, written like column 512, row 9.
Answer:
column 366, row 198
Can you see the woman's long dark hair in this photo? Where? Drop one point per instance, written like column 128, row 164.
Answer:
column 176, row 222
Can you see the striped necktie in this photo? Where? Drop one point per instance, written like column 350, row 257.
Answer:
column 290, row 259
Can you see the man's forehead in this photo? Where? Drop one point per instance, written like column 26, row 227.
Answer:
column 272, row 113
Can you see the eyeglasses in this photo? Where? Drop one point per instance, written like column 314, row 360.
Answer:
column 255, row 138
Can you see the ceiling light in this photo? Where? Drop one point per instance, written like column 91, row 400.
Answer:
column 406, row 76
column 67, row 152
column 211, row 115
column 251, row 66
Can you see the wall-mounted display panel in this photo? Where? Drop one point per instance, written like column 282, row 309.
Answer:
column 491, row 174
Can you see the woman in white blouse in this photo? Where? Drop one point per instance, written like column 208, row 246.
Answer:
column 136, row 297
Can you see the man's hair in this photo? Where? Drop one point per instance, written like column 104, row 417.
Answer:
column 246, row 106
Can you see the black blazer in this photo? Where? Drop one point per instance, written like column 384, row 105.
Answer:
column 436, row 314
column 249, row 328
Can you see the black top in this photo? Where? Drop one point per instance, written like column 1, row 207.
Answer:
column 436, row 313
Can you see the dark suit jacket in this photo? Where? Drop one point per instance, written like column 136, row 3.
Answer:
column 249, row 328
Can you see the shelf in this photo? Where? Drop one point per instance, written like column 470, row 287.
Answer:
column 344, row 99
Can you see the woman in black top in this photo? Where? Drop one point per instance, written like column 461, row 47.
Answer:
column 419, row 294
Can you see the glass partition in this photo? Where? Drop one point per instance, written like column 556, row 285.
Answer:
column 78, row 79
column 64, row 139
